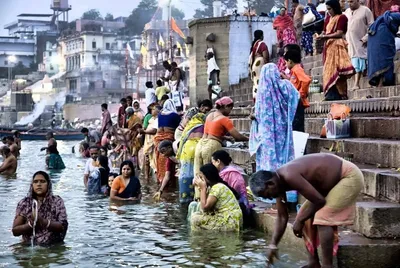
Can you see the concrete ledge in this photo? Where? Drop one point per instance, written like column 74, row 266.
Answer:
column 355, row 250
column 377, row 219
column 366, row 151
column 362, row 127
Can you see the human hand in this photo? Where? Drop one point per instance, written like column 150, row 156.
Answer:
column 284, row 76
column 133, row 199
column 200, row 182
column 364, row 43
column 157, row 196
column 272, row 254
column 252, row 116
column 230, row 139
column 298, row 228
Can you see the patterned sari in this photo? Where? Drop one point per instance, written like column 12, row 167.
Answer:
column 161, row 160
column 337, row 63
column 271, row 137
column 186, row 154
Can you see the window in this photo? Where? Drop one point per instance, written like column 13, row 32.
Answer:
column 108, row 46
column 91, row 86
column 94, row 44
column 51, row 67
column 50, row 53
column 104, row 84
column 94, row 59
column 6, row 62
column 72, row 86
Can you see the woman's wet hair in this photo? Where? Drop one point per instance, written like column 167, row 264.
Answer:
column 127, row 163
column 212, row 175
column 259, row 179
column 335, row 5
column 222, row 156
column 44, row 174
column 103, row 161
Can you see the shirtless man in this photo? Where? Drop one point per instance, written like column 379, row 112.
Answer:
column 50, row 141
column 17, row 138
column 330, row 185
column 9, row 166
column 13, row 146
column 298, row 19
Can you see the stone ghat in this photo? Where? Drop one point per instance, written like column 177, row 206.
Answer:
column 375, row 145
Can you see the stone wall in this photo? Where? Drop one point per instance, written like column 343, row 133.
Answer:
column 231, row 46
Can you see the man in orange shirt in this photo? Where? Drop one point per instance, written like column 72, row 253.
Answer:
column 302, row 82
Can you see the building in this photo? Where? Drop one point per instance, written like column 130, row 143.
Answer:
column 232, row 39
column 95, row 63
column 51, row 59
column 22, row 49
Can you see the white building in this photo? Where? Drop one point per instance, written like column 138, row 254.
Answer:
column 51, row 59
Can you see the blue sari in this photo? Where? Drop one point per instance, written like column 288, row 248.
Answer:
column 271, row 135
column 382, row 48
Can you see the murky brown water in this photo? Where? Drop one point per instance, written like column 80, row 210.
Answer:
column 100, row 235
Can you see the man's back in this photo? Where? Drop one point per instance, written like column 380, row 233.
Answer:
column 322, row 171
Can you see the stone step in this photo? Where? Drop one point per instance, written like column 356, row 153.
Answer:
column 353, row 247
column 367, row 107
column 242, row 124
column 380, row 183
column 376, row 219
column 362, row 127
column 241, row 112
column 366, row 151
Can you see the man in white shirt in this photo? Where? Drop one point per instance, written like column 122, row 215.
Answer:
column 90, row 165
column 150, row 94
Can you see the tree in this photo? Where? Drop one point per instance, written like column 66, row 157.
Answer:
column 207, row 11
column 92, row 14
column 263, row 6
column 109, row 17
column 177, row 13
column 140, row 16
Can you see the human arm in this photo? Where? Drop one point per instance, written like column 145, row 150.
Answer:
column 265, row 55
column 237, row 136
column 207, row 203
column 116, row 185
column 152, row 131
column 279, row 229
column 340, row 29
column 170, row 168
column 6, row 165
column 370, row 20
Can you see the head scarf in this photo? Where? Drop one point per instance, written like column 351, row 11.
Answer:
column 275, row 108
column 133, row 106
column 169, row 107
column 224, row 101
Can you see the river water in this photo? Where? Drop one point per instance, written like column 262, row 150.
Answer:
column 103, row 235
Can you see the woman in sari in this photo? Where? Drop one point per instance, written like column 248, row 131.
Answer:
column 148, row 146
column 337, row 63
column 186, row 154
column 381, row 37
column 137, row 110
column 134, row 124
column 53, row 159
column 259, row 55
column 220, row 208
column 50, row 221
column 126, row 187
column 286, row 34
column 271, row 135
column 168, row 122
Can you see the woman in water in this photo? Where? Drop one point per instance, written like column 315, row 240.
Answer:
column 98, row 180
column 53, row 159
column 50, row 221
column 126, row 187
column 221, row 210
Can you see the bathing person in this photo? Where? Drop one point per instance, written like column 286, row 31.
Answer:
column 220, row 208
column 53, row 158
column 331, row 186
column 90, row 164
column 50, row 140
column 17, row 138
column 126, row 187
column 10, row 163
column 13, row 146
column 52, row 224
column 92, row 137
column 98, row 179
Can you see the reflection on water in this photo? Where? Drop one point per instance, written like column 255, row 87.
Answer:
column 103, row 234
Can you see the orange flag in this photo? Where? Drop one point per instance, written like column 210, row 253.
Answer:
column 176, row 29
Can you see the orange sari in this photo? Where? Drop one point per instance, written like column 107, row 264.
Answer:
column 161, row 160
column 337, row 63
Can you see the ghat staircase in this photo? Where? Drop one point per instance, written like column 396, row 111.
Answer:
column 374, row 239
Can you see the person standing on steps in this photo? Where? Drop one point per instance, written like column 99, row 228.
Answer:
column 331, row 186
column 360, row 18
column 298, row 19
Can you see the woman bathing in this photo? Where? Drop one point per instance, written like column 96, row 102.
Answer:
column 126, row 187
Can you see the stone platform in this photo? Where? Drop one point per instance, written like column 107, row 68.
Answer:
column 375, row 145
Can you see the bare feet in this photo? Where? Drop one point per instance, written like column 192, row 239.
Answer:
column 312, row 265
column 271, row 211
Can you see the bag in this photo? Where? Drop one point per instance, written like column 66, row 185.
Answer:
column 339, row 111
column 309, row 17
column 337, row 148
column 336, row 129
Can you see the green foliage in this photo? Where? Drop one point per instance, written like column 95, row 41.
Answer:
column 177, row 13
column 207, row 10
column 109, row 17
column 92, row 14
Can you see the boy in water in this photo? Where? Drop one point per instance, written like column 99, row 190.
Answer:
column 302, row 82
column 331, row 186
